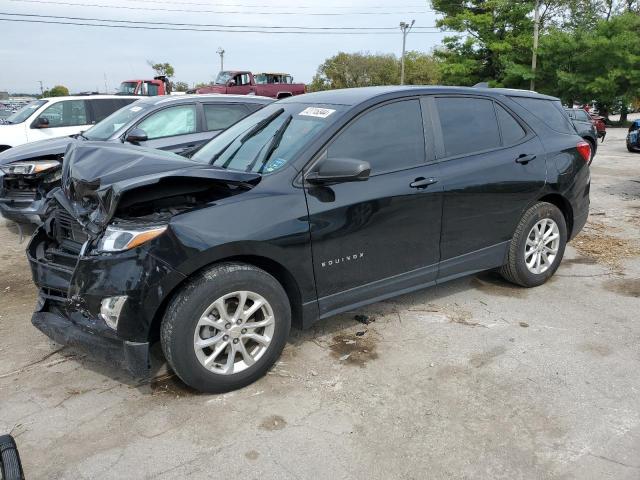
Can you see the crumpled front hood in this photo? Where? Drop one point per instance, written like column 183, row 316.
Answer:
column 96, row 175
column 41, row 148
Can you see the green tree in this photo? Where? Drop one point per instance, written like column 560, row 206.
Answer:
column 496, row 43
column 180, row 86
column 162, row 68
column 601, row 64
column 363, row 69
column 57, row 91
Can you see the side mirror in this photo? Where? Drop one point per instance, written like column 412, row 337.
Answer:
column 42, row 122
column 338, row 170
column 136, row 135
column 231, row 83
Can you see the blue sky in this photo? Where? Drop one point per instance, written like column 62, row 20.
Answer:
column 80, row 57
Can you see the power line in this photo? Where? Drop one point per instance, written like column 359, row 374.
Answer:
column 139, row 27
column 59, row 17
column 200, row 4
column 182, row 10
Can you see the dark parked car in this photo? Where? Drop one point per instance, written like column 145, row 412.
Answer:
column 177, row 124
column 585, row 128
column 633, row 136
column 314, row 205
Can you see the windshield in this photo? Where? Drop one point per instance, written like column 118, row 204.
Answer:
column 223, row 78
column 104, row 129
column 267, row 140
column 128, row 88
column 25, row 112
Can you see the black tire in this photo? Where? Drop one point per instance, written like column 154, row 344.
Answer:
column 515, row 270
column 180, row 320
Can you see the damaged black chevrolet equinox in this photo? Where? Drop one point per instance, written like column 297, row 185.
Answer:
column 314, row 205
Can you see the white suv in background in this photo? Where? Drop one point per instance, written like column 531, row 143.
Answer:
column 57, row 117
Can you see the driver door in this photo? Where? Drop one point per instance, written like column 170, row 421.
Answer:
column 376, row 238
column 242, row 84
column 66, row 117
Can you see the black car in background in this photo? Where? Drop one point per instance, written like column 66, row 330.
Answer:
column 179, row 124
column 585, row 128
column 312, row 206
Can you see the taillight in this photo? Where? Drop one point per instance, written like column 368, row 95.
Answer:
column 584, row 149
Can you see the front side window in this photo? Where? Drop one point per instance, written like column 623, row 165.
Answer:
column 468, row 125
column 220, row 116
column 270, row 138
column 512, row 131
column 106, row 128
column 128, row 88
column 25, row 112
column 390, row 138
column 67, row 113
column 549, row 111
column 242, row 79
column 179, row 120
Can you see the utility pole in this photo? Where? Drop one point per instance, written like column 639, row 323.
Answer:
column 405, row 28
column 220, row 52
column 534, row 59
column 41, row 88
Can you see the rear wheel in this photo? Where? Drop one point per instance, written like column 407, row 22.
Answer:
column 537, row 246
column 226, row 328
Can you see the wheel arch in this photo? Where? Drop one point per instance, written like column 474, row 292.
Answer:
column 272, row 267
column 564, row 206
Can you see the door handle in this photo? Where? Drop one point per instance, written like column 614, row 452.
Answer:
column 524, row 159
column 422, row 182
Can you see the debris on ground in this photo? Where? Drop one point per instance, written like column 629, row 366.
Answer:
column 524, row 324
column 366, row 319
column 595, row 243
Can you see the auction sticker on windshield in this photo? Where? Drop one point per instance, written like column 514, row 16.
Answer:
column 316, row 112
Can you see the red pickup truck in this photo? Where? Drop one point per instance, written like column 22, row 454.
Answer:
column 274, row 85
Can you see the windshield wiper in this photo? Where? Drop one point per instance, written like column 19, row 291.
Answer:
column 257, row 128
column 273, row 145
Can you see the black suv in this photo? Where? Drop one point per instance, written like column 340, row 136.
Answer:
column 313, row 205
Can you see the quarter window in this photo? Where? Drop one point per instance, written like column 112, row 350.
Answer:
column 511, row 130
column 468, row 125
column 549, row 111
column 169, row 122
column 220, row 116
column 67, row 113
column 390, row 138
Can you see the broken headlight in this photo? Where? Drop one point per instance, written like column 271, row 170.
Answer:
column 116, row 239
column 29, row 168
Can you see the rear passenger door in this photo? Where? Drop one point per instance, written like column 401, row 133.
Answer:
column 380, row 236
column 492, row 166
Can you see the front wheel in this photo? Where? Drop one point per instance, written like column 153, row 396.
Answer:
column 226, row 327
column 537, row 247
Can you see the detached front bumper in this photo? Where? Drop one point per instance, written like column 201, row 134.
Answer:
column 131, row 356
column 73, row 287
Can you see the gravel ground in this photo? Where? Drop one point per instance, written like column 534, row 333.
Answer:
column 473, row 379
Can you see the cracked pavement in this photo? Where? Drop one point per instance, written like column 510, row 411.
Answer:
column 473, row 379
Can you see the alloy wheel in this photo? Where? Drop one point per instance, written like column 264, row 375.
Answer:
column 234, row 332
column 541, row 247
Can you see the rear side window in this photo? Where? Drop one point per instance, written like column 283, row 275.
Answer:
column 179, row 120
column 468, row 125
column 511, row 130
column 103, row 107
column 549, row 111
column 389, row 137
column 219, row 116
